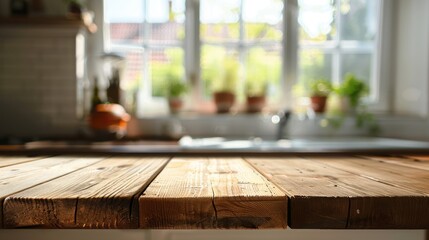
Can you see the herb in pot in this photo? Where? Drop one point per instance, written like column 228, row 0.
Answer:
column 319, row 92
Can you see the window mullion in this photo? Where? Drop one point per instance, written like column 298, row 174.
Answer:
column 337, row 58
column 375, row 81
column 241, row 49
column 290, row 48
column 192, row 47
column 145, row 85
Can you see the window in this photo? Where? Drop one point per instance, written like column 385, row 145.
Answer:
column 247, row 34
column 150, row 34
column 338, row 37
column 335, row 37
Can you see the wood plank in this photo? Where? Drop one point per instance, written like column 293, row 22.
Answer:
column 103, row 195
column 19, row 177
column 410, row 178
column 13, row 160
column 321, row 196
column 212, row 193
column 402, row 161
column 394, row 210
column 418, row 157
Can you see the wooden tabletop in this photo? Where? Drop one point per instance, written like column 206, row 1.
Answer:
column 313, row 192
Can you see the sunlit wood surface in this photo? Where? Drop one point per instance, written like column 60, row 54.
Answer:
column 312, row 192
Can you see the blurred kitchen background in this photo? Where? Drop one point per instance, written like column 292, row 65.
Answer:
column 213, row 68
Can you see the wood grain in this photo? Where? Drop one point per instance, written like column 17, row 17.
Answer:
column 19, row 177
column 401, row 161
column 212, row 193
column 13, row 160
column 405, row 207
column 418, row 157
column 103, row 195
column 322, row 196
column 409, row 178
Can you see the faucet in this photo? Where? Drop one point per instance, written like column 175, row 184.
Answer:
column 281, row 119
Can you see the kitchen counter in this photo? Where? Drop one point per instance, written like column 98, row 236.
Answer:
column 119, row 191
column 188, row 146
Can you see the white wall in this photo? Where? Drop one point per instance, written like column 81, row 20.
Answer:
column 410, row 75
column 411, row 64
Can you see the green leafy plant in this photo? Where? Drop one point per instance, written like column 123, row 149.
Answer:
column 256, row 88
column 164, row 73
column 227, row 79
column 353, row 88
column 175, row 87
column 320, row 87
column 364, row 119
column 260, row 71
column 256, row 81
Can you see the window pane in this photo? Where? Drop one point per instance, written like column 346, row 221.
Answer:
column 313, row 65
column 167, row 33
column 263, row 19
column 357, row 64
column 316, row 20
column 166, row 20
column 118, row 11
column 214, row 61
column 165, row 65
column 359, row 19
column 125, row 26
column 219, row 20
column 125, row 33
column 263, row 71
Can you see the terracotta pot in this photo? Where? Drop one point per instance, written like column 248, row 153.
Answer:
column 175, row 105
column 224, row 101
column 318, row 103
column 255, row 103
column 109, row 118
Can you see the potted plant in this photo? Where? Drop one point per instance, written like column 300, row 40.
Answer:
column 176, row 88
column 224, row 93
column 319, row 92
column 346, row 102
column 351, row 90
column 256, row 96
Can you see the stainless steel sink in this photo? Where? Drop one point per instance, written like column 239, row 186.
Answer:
column 301, row 144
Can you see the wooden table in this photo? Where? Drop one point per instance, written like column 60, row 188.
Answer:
column 339, row 192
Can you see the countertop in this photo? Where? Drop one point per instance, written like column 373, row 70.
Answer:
column 188, row 146
column 205, row 192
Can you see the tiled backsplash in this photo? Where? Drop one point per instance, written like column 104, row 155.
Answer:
column 40, row 86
